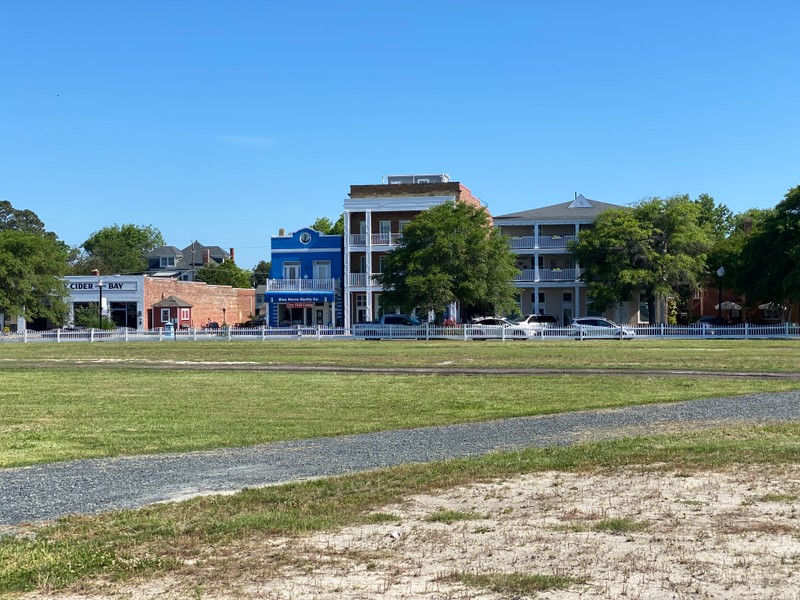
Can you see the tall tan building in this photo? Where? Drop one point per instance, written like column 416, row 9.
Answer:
column 374, row 218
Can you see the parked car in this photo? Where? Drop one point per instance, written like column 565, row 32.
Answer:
column 391, row 326
column 598, row 327
column 483, row 328
column 706, row 325
column 536, row 323
column 252, row 323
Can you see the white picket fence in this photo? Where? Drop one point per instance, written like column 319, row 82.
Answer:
column 424, row 332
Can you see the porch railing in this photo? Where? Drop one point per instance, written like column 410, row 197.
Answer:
column 297, row 285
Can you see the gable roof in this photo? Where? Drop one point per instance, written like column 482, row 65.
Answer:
column 172, row 301
column 581, row 208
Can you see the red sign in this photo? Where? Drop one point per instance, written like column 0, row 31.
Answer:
column 299, row 305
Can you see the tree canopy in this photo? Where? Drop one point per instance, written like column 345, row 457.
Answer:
column 326, row 226
column 260, row 273
column 767, row 267
column 657, row 247
column 225, row 274
column 118, row 249
column 450, row 253
column 32, row 263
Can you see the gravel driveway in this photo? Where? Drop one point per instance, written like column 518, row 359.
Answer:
column 44, row 492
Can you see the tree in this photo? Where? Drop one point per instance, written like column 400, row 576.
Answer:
column 225, row 274
column 260, row 273
column 325, row 226
column 450, row 253
column 768, row 267
column 118, row 249
column 31, row 271
column 658, row 247
column 20, row 220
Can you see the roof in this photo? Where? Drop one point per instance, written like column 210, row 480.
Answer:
column 164, row 251
column 581, row 208
column 172, row 301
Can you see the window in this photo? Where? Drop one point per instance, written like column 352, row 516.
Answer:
column 322, row 269
column 166, row 261
column 291, row 270
column 644, row 309
column 541, row 262
column 567, row 297
column 184, row 314
column 385, row 227
column 380, row 263
column 165, row 315
column 402, row 225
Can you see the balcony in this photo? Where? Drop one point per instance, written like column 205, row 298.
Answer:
column 302, row 285
column 547, row 242
column 376, row 239
column 363, row 280
column 529, row 275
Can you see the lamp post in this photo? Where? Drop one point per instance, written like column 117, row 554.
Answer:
column 100, row 287
column 720, row 274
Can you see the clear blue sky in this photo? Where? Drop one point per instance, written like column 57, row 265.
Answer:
column 225, row 121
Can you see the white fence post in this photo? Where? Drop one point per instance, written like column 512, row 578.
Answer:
column 91, row 335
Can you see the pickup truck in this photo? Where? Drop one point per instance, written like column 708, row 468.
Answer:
column 392, row 327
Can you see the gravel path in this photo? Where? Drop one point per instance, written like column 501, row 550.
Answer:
column 44, row 492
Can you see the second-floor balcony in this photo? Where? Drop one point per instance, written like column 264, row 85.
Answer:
column 375, row 239
column 302, row 285
column 363, row 280
column 529, row 242
column 531, row 275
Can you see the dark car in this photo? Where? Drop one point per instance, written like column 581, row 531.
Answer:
column 252, row 323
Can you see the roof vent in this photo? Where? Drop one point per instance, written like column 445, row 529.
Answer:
column 580, row 202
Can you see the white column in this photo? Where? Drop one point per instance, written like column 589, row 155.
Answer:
column 536, row 299
column 370, row 301
column 577, row 301
column 346, row 270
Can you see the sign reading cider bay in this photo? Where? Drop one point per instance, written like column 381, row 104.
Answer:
column 108, row 286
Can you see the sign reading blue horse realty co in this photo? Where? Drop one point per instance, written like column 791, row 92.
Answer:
column 298, row 297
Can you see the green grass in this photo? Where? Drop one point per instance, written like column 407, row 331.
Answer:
column 159, row 538
column 451, row 516
column 721, row 355
column 51, row 415
column 514, row 583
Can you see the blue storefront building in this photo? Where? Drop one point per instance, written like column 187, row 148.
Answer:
column 305, row 284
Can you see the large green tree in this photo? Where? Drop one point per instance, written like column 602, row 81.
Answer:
column 260, row 273
column 450, row 253
column 328, row 227
column 118, row 249
column 32, row 264
column 225, row 274
column 768, row 266
column 658, row 248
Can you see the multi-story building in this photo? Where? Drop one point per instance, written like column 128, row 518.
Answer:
column 305, row 279
column 172, row 262
column 549, row 277
column 374, row 218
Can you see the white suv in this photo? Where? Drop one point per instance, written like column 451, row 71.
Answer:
column 537, row 323
column 598, row 327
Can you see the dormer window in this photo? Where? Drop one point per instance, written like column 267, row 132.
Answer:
column 166, row 261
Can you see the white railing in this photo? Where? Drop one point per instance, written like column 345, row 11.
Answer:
column 386, row 239
column 363, row 280
column 547, row 275
column 287, row 285
column 528, row 242
column 428, row 332
column 358, row 239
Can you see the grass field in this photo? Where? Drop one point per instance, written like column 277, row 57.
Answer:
column 717, row 355
column 55, row 412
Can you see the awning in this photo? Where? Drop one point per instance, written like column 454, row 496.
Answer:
column 283, row 297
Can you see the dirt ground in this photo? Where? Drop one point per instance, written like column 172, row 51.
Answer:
column 635, row 534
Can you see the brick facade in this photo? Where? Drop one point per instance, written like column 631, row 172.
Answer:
column 208, row 301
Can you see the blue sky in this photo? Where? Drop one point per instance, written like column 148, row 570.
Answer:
column 225, row 121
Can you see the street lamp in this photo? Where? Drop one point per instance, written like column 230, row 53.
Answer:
column 720, row 274
column 100, row 287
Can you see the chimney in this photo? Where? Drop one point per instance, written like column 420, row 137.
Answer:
column 232, row 259
column 281, row 232
column 206, row 256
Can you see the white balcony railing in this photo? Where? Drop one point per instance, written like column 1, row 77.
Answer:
column 376, row 239
column 363, row 280
column 301, row 285
column 547, row 275
column 528, row 242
